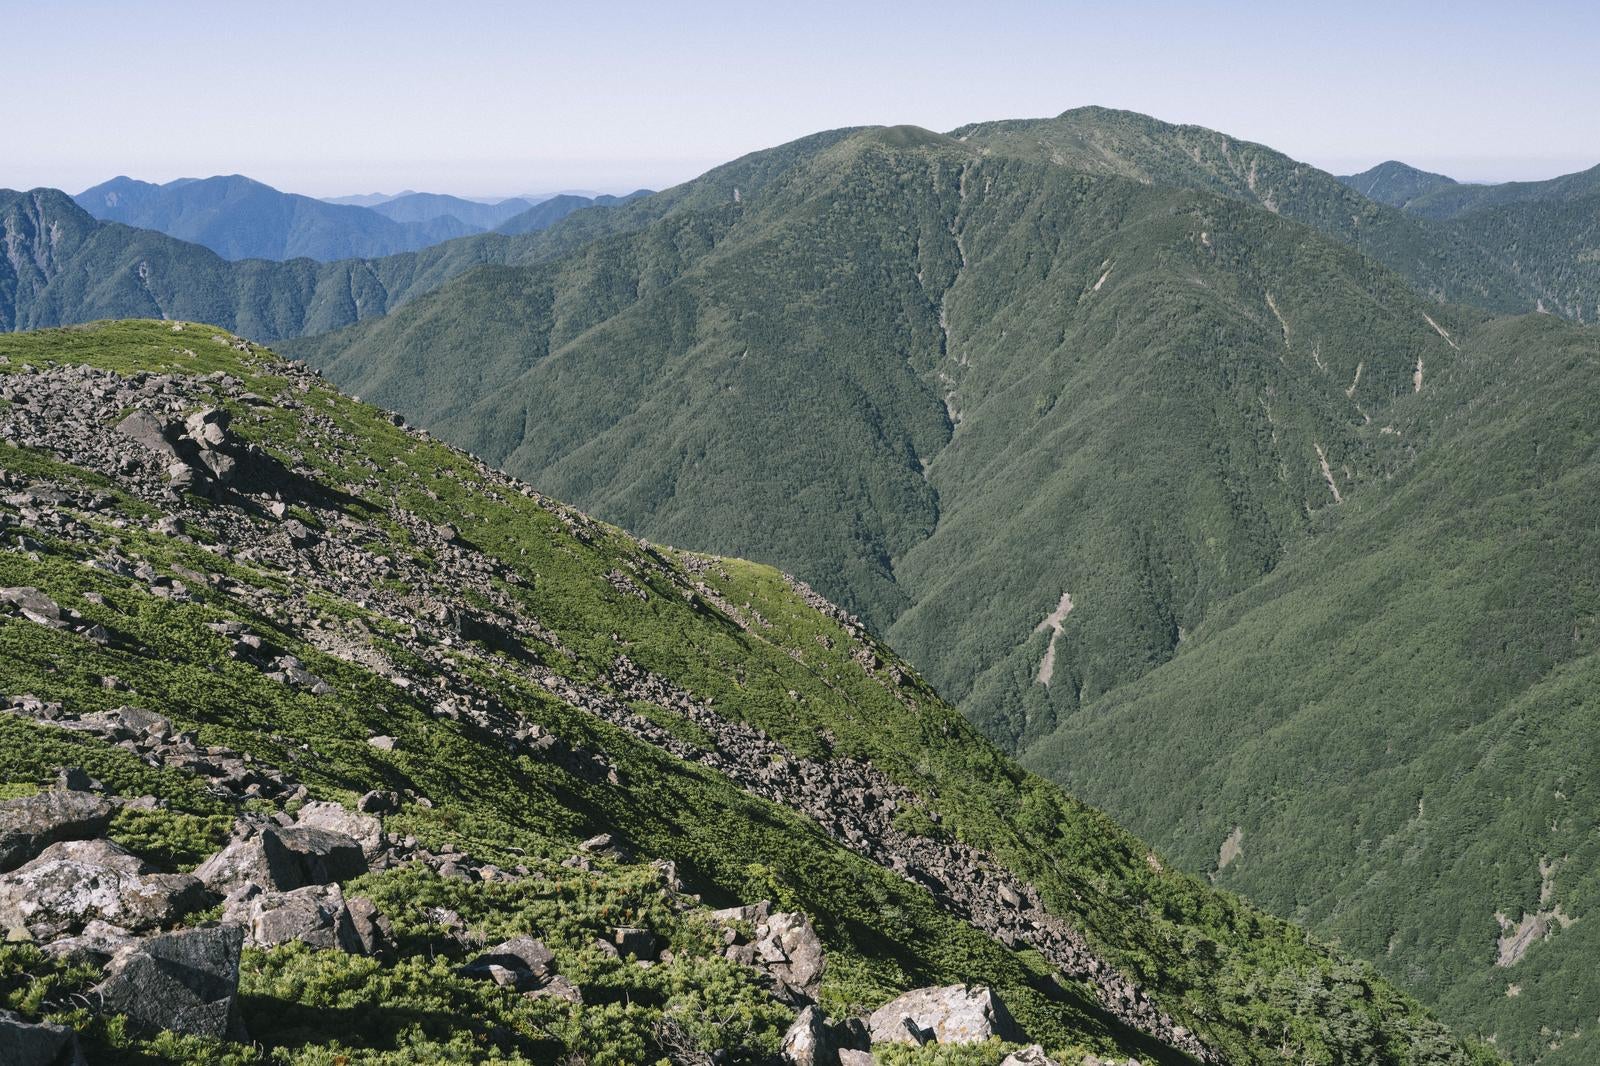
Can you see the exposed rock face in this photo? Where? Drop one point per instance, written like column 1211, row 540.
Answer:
column 785, row 948
column 953, row 1014
column 36, row 1044
column 98, row 942
column 186, row 982
column 76, row 881
column 283, row 859
column 640, row 943
column 30, row 824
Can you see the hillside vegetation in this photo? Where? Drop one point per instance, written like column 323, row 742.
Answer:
column 352, row 606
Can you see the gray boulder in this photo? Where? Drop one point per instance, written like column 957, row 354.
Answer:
column 788, row 948
column 143, row 428
column 186, row 981
column 522, row 963
column 35, row 606
column 371, row 927
column 36, row 1043
column 315, row 914
column 32, row 823
column 809, row 1041
column 852, row 1057
column 364, row 829
column 952, row 1014
column 76, row 881
column 281, row 859
column 640, row 943
column 558, row 987
column 1032, row 1055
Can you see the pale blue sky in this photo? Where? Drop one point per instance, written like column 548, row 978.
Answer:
column 486, row 98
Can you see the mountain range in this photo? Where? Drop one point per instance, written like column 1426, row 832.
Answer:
column 1246, row 501
column 243, row 219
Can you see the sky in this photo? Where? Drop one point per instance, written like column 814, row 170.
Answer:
column 488, row 99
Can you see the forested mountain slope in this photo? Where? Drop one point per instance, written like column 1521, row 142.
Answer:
column 1037, row 426
column 1439, row 261
column 1459, row 200
column 279, row 601
column 949, row 419
column 1392, row 736
column 60, row 266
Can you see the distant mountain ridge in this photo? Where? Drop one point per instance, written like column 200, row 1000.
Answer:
column 423, row 206
column 1395, row 183
column 239, row 218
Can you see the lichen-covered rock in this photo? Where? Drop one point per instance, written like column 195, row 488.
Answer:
column 32, row 823
column 25, row 1043
column 98, row 942
column 74, row 882
column 370, row 925
column 186, row 981
column 952, row 1014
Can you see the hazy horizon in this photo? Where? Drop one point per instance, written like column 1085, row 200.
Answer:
column 501, row 100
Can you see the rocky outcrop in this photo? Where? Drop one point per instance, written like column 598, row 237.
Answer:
column 186, row 982
column 69, row 410
column 77, row 881
column 153, row 737
column 364, row 829
column 30, row 824
column 785, row 948
column 953, row 1014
